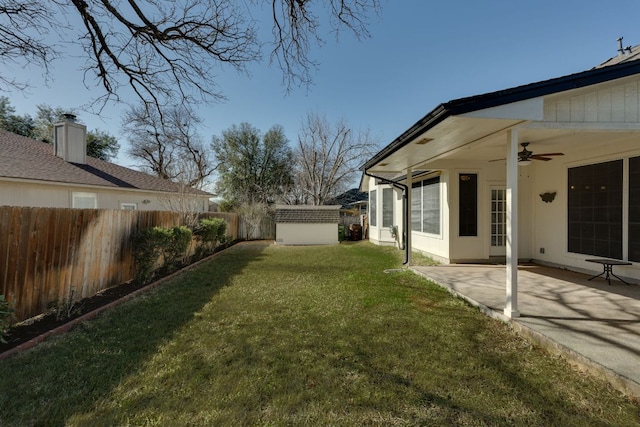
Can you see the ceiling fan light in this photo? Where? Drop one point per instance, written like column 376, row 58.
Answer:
column 525, row 162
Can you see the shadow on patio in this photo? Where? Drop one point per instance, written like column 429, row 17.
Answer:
column 594, row 325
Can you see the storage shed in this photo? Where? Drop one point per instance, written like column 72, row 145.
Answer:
column 307, row 225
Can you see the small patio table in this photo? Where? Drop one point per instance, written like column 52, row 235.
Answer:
column 607, row 265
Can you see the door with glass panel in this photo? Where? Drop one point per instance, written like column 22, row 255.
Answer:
column 498, row 218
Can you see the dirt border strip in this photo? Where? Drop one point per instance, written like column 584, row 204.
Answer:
column 67, row 326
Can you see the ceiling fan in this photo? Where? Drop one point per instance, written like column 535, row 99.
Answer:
column 525, row 156
column 528, row 155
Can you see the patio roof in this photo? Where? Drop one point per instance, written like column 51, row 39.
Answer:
column 451, row 126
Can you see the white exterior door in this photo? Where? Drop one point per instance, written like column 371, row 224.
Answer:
column 498, row 218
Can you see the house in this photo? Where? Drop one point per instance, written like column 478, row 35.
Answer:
column 548, row 171
column 352, row 202
column 61, row 175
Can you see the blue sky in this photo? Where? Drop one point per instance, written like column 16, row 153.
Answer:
column 420, row 54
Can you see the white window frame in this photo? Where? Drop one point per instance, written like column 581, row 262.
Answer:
column 129, row 206
column 373, row 208
column 76, row 196
column 388, row 208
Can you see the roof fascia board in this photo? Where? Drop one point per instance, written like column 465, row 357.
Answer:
column 543, row 88
column 528, row 109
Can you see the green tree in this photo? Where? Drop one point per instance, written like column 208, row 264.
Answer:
column 101, row 145
column 22, row 125
column 46, row 117
column 252, row 168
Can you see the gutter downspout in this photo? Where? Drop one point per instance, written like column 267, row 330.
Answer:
column 405, row 211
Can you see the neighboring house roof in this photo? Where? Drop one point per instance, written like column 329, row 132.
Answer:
column 601, row 74
column 349, row 198
column 25, row 158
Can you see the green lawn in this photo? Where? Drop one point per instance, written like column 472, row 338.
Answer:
column 265, row 335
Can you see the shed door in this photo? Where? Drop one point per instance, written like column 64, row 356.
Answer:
column 498, row 218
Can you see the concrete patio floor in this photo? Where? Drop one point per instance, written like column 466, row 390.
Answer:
column 594, row 325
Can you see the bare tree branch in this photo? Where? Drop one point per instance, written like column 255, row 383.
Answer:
column 296, row 28
column 327, row 158
column 24, row 27
column 169, row 53
column 169, row 146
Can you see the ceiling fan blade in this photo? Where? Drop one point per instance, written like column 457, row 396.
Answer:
column 549, row 154
column 539, row 157
column 497, row 160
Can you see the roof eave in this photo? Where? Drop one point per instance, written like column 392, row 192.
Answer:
column 503, row 97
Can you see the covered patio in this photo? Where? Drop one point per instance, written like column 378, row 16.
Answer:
column 592, row 324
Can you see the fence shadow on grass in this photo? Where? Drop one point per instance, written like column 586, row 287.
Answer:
column 68, row 375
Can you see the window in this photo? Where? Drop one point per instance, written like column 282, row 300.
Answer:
column 387, row 207
column 84, row 200
column 431, row 206
column 468, row 204
column 425, row 206
column 416, row 206
column 595, row 209
column 373, row 208
column 498, row 217
column 634, row 209
column 129, row 206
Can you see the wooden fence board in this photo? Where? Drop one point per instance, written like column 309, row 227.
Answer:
column 46, row 252
column 4, row 249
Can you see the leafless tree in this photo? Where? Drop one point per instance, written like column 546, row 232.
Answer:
column 170, row 52
column 24, row 31
column 328, row 158
column 169, row 147
column 187, row 202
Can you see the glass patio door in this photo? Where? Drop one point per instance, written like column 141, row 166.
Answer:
column 498, row 221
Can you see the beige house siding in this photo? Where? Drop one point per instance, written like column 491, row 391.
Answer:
column 615, row 103
column 32, row 194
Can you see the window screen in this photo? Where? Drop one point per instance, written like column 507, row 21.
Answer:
column 84, row 201
column 468, row 203
column 634, row 209
column 373, row 208
column 595, row 209
column 387, row 207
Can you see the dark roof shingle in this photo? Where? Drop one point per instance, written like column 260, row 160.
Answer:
column 25, row 158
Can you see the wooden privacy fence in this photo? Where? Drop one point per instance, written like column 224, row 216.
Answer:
column 49, row 255
column 264, row 229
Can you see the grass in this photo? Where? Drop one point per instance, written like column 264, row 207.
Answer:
column 265, row 335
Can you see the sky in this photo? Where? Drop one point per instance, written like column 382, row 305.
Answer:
column 420, row 54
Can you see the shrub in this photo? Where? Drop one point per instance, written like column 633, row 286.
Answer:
column 210, row 232
column 6, row 317
column 148, row 245
column 66, row 307
column 151, row 244
column 176, row 246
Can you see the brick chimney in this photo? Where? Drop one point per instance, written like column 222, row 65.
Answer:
column 70, row 140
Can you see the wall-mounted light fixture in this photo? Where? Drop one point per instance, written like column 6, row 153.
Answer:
column 146, row 201
column 548, row 197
